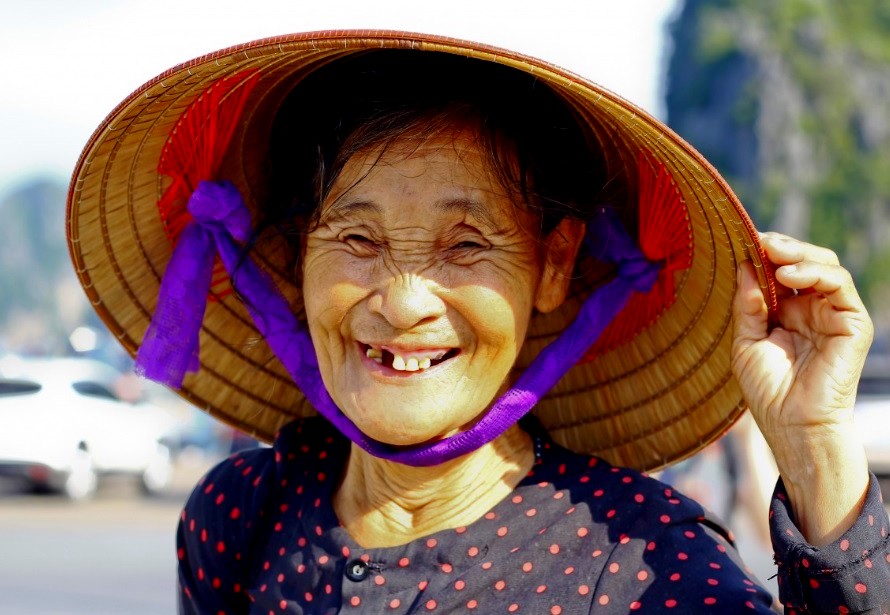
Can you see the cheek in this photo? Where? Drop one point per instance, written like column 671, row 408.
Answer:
column 498, row 315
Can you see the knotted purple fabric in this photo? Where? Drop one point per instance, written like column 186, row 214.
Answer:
column 221, row 220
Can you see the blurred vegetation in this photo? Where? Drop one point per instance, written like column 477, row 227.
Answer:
column 791, row 101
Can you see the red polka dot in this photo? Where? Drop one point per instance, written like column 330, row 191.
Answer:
column 604, row 600
column 431, row 605
column 845, row 544
column 861, row 588
column 531, row 512
column 379, row 580
column 709, row 600
column 404, row 562
column 555, row 609
column 596, row 553
column 459, row 584
column 486, row 565
column 283, row 604
column 814, row 583
column 490, row 515
column 713, row 582
column 682, row 556
column 422, row 585
column 749, row 604
column 636, row 605
column 675, row 576
column 642, row 575
column 432, row 542
column 527, row 567
column 614, row 567
column 570, row 570
column 473, row 551
column 323, row 559
column 217, row 583
column 447, row 568
column 502, row 531
column 665, row 519
column 670, row 603
column 517, row 499
column 500, row 585
column 355, row 601
column 235, row 513
column 541, row 589
column 307, row 596
column 554, row 549
column 689, row 534
column 220, row 547
column 639, row 498
column 472, row 604
column 583, row 590
column 582, row 532
column 650, row 546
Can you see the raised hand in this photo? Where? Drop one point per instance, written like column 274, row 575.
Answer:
column 800, row 377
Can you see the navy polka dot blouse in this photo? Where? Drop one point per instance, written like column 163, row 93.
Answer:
column 259, row 535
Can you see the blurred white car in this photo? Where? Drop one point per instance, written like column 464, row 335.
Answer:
column 62, row 425
column 873, row 422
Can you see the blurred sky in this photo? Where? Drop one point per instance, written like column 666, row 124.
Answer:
column 67, row 63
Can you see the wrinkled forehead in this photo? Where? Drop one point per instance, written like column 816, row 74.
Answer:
column 448, row 175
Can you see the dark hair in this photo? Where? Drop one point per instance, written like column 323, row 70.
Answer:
column 536, row 147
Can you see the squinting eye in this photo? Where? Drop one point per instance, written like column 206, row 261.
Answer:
column 467, row 245
column 358, row 238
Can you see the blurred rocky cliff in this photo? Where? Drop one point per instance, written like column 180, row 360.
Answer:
column 791, row 101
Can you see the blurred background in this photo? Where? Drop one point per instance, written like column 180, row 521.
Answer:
column 788, row 99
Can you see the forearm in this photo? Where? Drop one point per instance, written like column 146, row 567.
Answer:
column 826, row 478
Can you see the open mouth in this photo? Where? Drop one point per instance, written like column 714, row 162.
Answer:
column 408, row 361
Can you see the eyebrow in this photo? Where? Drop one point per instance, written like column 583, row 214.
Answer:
column 344, row 208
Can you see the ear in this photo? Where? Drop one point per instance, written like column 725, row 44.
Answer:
column 560, row 251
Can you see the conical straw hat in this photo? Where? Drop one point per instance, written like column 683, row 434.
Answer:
column 652, row 393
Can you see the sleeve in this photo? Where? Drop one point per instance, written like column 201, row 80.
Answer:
column 851, row 575
column 214, row 532
column 676, row 559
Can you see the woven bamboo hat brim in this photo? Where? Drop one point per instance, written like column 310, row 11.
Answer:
column 657, row 397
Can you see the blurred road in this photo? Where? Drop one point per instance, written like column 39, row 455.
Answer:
column 109, row 556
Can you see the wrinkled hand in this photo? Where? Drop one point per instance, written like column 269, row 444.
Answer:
column 801, row 376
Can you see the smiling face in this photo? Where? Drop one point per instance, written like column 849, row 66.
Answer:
column 419, row 282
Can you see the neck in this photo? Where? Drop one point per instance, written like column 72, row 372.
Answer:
column 381, row 503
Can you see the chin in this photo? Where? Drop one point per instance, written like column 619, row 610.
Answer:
column 403, row 428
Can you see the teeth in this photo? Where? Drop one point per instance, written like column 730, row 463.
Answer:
column 400, row 363
column 375, row 354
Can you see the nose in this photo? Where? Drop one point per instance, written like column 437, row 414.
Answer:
column 407, row 301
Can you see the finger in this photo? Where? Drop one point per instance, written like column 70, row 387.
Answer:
column 749, row 309
column 785, row 250
column 832, row 282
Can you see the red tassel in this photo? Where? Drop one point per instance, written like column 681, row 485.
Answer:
column 666, row 237
column 194, row 151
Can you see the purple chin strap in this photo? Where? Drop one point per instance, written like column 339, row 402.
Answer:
column 221, row 223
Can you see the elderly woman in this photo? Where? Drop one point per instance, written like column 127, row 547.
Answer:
column 478, row 270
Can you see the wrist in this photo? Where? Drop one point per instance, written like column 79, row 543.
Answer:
column 825, row 473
